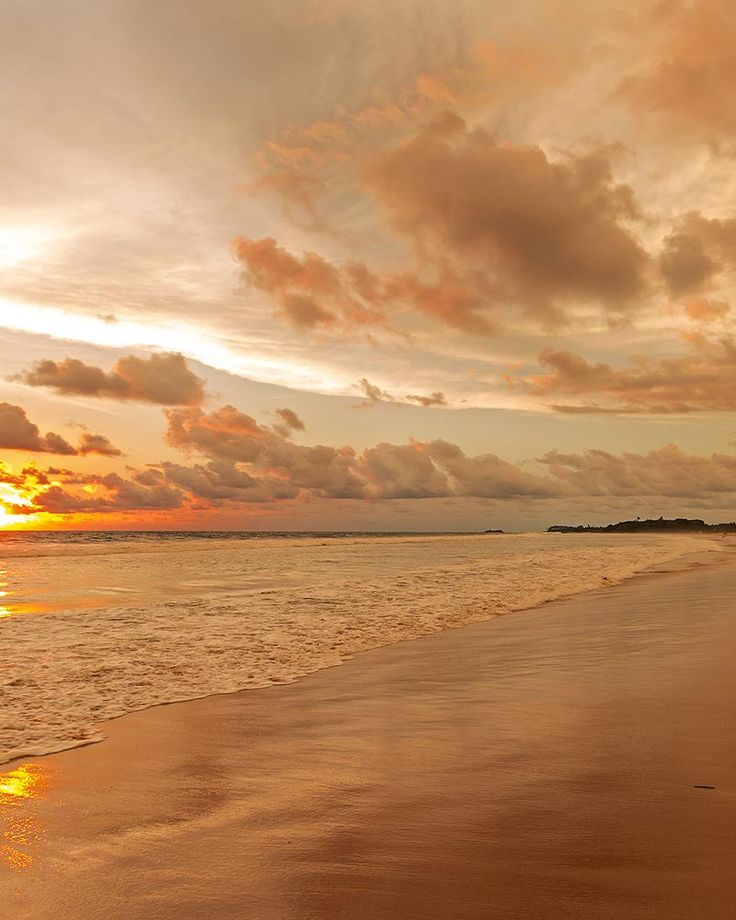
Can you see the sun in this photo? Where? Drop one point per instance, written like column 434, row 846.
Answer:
column 22, row 243
column 8, row 519
column 12, row 497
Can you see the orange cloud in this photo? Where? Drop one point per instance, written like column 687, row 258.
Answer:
column 706, row 311
column 310, row 291
column 692, row 74
column 118, row 494
column 701, row 381
column 163, row 379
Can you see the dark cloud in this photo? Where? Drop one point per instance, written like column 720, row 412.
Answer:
column 17, row 432
column 290, row 422
column 163, row 379
column 545, row 234
column 97, row 444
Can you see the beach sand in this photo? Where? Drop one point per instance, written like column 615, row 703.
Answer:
column 540, row 765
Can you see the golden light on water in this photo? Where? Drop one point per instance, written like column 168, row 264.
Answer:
column 25, row 782
column 21, row 832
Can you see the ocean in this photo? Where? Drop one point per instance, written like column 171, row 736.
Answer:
column 95, row 625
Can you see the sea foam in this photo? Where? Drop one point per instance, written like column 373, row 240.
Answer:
column 89, row 633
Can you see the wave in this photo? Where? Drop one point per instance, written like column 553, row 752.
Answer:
column 176, row 625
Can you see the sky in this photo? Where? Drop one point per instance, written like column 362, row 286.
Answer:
column 330, row 265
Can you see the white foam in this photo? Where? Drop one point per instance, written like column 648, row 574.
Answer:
column 88, row 637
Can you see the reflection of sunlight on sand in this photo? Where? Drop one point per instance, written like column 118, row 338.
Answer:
column 20, row 832
column 4, row 611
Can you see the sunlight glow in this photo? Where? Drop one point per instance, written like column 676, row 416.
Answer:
column 20, row 833
column 192, row 341
column 21, row 244
column 17, row 496
column 25, row 782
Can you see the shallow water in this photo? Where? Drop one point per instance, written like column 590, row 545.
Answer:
column 91, row 629
column 535, row 767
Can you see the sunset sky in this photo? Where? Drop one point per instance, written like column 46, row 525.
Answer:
column 405, row 265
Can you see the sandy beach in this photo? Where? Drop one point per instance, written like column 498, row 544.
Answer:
column 540, row 765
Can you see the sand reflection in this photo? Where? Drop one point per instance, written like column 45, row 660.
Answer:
column 21, row 832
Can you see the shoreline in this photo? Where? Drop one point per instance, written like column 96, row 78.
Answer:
column 517, row 762
column 716, row 555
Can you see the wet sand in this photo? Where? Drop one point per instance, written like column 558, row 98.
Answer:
column 541, row 765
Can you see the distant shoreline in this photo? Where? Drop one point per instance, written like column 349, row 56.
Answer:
column 657, row 525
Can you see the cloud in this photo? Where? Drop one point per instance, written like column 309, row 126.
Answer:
column 414, row 470
column 229, row 434
column 697, row 250
column 403, row 471
column 163, row 379
column 309, row 290
column 290, row 422
column 220, row 481
column 666, row 472
column 690, row 72
column 704, row 311
column 18, row 432
column 305, row 160
column 494, row 225
column 97, row 444
column 434, row 399
column 514, row 224
column 242, row 463
column 119, row 494
column 375, row 395
column 701, row 381
column 486, row 475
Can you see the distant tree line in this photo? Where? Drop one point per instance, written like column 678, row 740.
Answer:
column 680, row 524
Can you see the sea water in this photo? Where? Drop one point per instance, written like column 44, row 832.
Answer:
column 93, row 626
